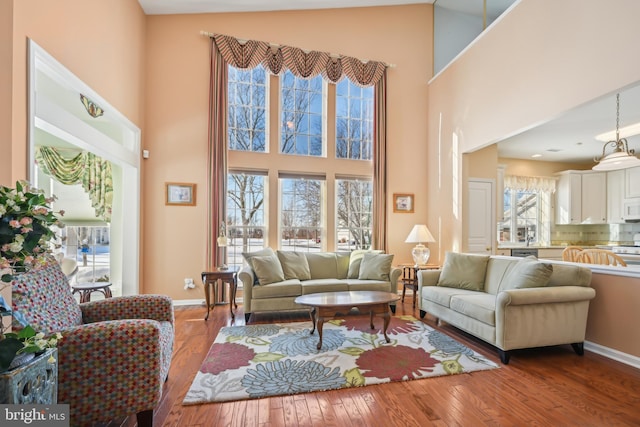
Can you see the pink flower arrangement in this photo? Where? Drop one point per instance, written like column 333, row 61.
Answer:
column 27, row 227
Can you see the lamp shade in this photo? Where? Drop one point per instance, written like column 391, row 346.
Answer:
column 617, row 160
column 419, row 233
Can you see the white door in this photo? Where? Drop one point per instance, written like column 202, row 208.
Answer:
column 481, row 214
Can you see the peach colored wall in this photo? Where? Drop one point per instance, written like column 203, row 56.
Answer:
column 100, row 42
column 613, row 314
column 176, row 115
column 521, row 73
column 517, row 75
column 6, row 49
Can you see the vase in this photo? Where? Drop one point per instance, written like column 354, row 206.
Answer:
column 34, row 382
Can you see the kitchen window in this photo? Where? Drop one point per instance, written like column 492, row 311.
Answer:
column 527, row 210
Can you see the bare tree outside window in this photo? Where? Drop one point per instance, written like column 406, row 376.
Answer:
column 354, row 121
column 301, row 214
column 247, row 109
column 354, row 217
column 302, row 124
column 245, row 215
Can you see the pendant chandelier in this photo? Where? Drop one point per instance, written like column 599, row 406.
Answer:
column 621, row 157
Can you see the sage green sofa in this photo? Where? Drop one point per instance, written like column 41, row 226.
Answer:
column 272, row 280
column 511, row 303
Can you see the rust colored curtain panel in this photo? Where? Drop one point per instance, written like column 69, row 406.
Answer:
column 217, row 157
column 379, row 240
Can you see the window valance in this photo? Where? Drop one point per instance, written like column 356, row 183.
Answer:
column 304, row 64
column 530, row 183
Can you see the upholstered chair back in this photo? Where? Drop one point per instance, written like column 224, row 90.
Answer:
column 43, row 296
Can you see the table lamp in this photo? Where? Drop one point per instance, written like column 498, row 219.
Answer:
column 222, row 241
column 420, row 233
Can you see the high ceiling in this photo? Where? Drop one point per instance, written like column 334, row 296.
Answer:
column 569, row 138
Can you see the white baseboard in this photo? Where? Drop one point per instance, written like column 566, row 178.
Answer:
column 183, row 302
column 611, row 353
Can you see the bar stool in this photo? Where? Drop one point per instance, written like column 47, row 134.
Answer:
column 85, row 289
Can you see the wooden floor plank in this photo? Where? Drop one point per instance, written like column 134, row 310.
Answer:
column 547, row 386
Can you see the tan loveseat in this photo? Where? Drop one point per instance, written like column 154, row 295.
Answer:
column 511, row 303
column 272, row 280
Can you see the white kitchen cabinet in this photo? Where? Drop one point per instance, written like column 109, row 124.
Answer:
column 594, row 196
column 569, row 198
column 581, row 198
column 632, row 183
column 615, row 196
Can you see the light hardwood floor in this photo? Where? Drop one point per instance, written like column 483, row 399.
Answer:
column 542, row 387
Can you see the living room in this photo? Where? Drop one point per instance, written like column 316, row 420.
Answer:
column 154, row 69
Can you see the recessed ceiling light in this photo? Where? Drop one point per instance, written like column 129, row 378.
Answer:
column 554, row 150
column 536, row 155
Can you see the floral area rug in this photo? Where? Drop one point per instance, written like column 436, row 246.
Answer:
column 254, row 361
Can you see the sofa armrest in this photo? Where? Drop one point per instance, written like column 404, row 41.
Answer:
column 394, row 276
column 113, row 358
column 544, row 295
column 146, row 306
column 247, row 277
column 428, row 278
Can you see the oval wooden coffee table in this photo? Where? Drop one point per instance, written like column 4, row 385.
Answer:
column 330, row 304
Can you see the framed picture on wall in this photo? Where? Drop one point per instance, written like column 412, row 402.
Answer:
column 180, row 193
column 403, row 203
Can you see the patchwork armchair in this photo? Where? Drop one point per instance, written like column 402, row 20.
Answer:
column 115, row 353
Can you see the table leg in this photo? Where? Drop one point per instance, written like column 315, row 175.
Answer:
column 371, row 318
column 232, row 295
column 235, row 290
column 387, row 318
column 312, row 314
column 207, row 297
column 320, row 323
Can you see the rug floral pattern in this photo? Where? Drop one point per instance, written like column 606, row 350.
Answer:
column 254, row 361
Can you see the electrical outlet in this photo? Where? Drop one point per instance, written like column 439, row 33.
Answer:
column 188, row 283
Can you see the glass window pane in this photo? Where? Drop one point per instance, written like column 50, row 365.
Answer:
column 247, row 103
column 358, row 130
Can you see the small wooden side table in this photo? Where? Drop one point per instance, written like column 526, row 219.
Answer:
column 87, row 288
column 211, row 278
column 409, row 277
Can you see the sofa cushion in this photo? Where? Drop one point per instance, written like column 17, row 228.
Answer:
column 315, row 286
column 368, row 285
column 286, row 288
column 267, row 270
column 570, row 275
column 355, row 259
column 375, row 266
column 526, row 273
column 441, row 295
column 480, row 306
column 464, row 271
column 342, row 260
column 294, row 265
column 322, row 265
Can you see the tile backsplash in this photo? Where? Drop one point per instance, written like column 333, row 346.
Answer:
column 595, row 234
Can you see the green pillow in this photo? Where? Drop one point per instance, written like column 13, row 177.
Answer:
column 294, row 265
column 375, row 266
column 267, row 271
column 463, row 271
column 263, row 252
column 355, row 259
column 527, row 273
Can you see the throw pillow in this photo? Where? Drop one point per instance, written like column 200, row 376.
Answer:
column 355, row 259
column 263, row 252
column 266, row 270
column 463, row 271
column 294, row 265
column 527, row 273
column 375, row 266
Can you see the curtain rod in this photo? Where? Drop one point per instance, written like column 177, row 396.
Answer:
column 276, row 45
